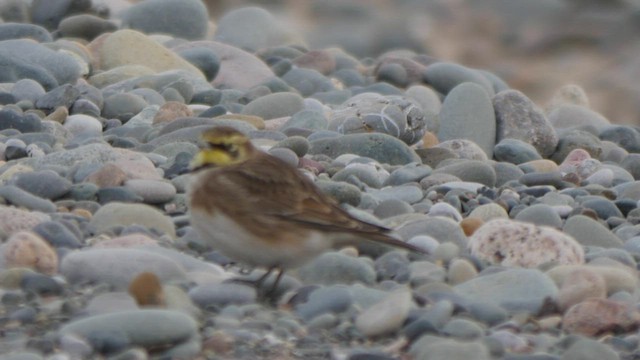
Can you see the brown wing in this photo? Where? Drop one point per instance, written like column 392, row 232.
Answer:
column 266, row 187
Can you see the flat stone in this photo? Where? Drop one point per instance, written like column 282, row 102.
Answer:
column 386, row 316
column 117, row 266
column 589, row 232
column 120, row 214
column 517, row 117
column 144, row 328
column 513, row 289
column 129, row 47
column 381, row 147
column 467, row 113
column 186, row 19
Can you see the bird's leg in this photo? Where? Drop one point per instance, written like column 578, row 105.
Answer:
column 276, row 282
column 264, row 277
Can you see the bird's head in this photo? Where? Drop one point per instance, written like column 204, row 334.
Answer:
column 222, row 146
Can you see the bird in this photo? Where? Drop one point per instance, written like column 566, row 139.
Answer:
column 263, row 212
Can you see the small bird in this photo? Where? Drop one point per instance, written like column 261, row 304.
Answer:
column 261, row 211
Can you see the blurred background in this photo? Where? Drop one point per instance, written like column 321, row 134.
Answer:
column 535, row 46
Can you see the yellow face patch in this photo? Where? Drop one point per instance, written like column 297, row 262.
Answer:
column 221, row 150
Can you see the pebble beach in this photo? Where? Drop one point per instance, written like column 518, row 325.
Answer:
column 528, row 214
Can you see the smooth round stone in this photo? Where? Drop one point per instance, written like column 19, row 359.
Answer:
column 220, row 295
column 337, row 268
column 333, row 299
column 123, row 106
column 16, row 196
column 275, row 105
column 515, row 151
column 26, row 249
column 57, row 234
column 117, row 266
column 569, row 94
column 63, row 95
column 386, row 316
column 341, row 191
column 588, row 349
column 540, row 214
column 602, row 177
column 513, row 289
column 572, row 115
column 307, row 119
column 408, row 173
column 151, row 191
column 445, row 210
column 298, row 144
column 577, row 139
column 253, row 29
column 392, row 207
column 83, row 125
column 589, row 232
column 25, row 58
column 463, row 329
column 392, row 265
column 45, row 183
column 408, row 193
column 626, row 137
column 42, row 285
column 435, row 348
column 187, row 19
column 603, row 207
column 616, row 278
column 488, row 313
column 440, row 228
column 543, row 178
column 366, row 173
column 204, row 59
column 467, row 113
column 124, row 47
column 460, row 270
column 579, row 285
column 631, row 163
column 444, row 77
column 27, row 89
column 85, row 26
column 145, row 328
column 117, row 194
column 25, row 123
column 514, row 243
column 119, row 214
column 381, row 147
column 462, row 149
column 393, row 73
column 286, row 155
column 13, row 219
column 470, row 171
column 307, row 81
column 10, row 31
column 506, row 172
column 518, row 118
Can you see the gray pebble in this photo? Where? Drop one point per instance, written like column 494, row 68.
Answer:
column 471, row 171
column 45, row 184
column 337, row 268
column 212, row 296
column 540, row 214
column 186, row 19
column 145, row 328
column 589, row 232
column 333, row 299
column 515, row 151
column 467, row 113
column 513, row 289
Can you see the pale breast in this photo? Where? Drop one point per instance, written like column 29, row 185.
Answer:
column 227, row 236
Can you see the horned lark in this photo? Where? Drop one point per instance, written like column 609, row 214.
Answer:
column 261, row 211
